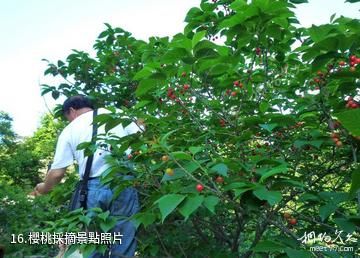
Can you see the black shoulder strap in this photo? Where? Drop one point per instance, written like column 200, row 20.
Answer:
column 84, row 189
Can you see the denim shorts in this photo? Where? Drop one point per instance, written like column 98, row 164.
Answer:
column 125, row 205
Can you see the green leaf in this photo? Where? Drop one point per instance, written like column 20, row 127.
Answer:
column 238, row 5
column 193, row 13
column 312, row 114
column 239, row 192
column 192, row 166
column 145, row 86
column 178, row 173
column 319, row 33
column 142, row 104
column 55, row 94
column 350, row 120
column 236, row 185
column 180, row 155
column 220, row 169
column 210, row 202
column 108, row 224
column 316, row 144
column 104, row 215
column 219, row 69
column 272, row 197
column 352, row 1
column 85, row 219
column 334, row 197
column 345, row 225
column 181, row 41
column 292, row 253
column 145, row 72
column 164, row 137
column 268, row 246
column 195, row 150
column 241, row 16
column 307, row 196
column 197, row 37
column 168, row 203
column 355, row 182
column 326, row 210
column 273, row 171
column 70, row 250
column 88, row 250
column 191, row 204
column 283, row 22
column 268, row 127
column 146, row 219
column 174, row 55
column 264, row 106
column 332, row 17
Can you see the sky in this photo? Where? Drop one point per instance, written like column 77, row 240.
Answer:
column 35, row 29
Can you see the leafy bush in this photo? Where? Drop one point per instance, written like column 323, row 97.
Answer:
column 249, row 145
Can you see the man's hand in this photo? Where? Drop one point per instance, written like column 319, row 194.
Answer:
column 140, row 121
column 38, row 190
column 141, row 124
column 53, row 177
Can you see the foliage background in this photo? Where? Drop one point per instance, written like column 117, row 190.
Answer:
column 244, row 102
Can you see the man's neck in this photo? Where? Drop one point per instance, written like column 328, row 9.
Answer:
column 81, row 111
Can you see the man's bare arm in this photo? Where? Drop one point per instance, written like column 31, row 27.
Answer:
column 53, row 177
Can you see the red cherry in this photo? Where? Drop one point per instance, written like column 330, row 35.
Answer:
column 219, row 179
column 334, row 135
column 354, row 105
column 320, row 73
column 236, row 83
column 199, row 187
column 186, row 86
column 130, row 156
column 287, row 215
column 292, row 221
column 357, row 60
column 336, row 140
column 352, row 58
column 317, row 80
column 336, row 124
column 233, row 93
column 183, row 74
column 339, row 143
column 352, row 63
column 341, row 63
column 258, row 51
column 222, row 122
column 352, row 69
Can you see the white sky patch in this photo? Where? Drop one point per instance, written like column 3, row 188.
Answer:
column 32, row 30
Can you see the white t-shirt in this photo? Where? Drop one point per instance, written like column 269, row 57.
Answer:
column 79, row 131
